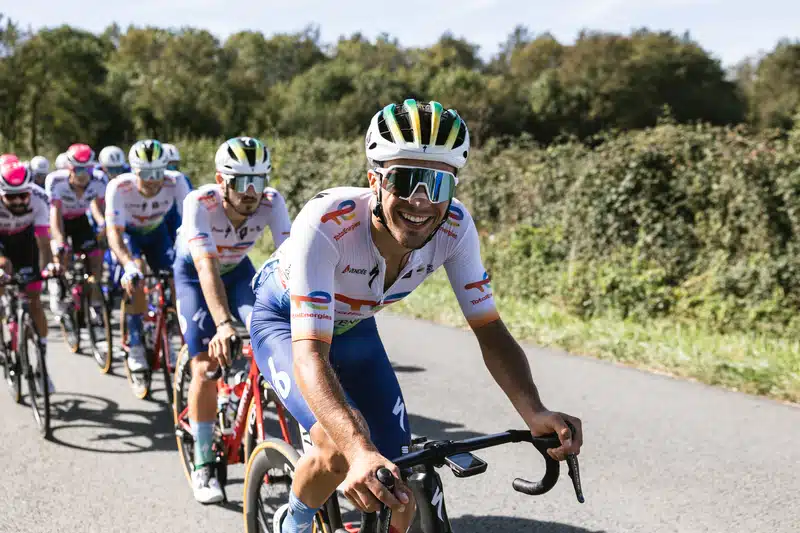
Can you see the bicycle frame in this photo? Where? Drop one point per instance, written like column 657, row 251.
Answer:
column 252, row 392
column 161, row 321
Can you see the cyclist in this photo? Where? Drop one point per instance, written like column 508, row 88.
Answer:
column 73, row 192
column 112, row 164
column 173, row 168
column 353, row 251
column 24, row 236
column 61, row 161
column 221, row 223
column 136, row 204
column 40, row 167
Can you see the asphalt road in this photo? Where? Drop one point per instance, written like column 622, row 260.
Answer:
column 660, row 455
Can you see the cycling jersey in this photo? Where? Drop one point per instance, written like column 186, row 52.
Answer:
column 206, row 230
column 53, row 178
column 126, row 207
column 335, row 274
column 37, row 216
column 63, row 195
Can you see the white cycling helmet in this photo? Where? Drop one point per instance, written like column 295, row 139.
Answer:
column 15, row 178
column 418, row 130
column 61, row 161
column 147, row 154
column 172, row 152
column 243, row 155
column 111, row 156
column 40, row 165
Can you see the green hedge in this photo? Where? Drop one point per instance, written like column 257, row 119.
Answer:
column 696, row 223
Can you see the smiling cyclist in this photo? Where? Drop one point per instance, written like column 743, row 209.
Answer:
column 353, row 251
column 221, row 224
column 136, row 204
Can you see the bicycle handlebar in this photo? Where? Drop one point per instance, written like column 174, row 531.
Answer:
column 234, row 345
column 435, row 452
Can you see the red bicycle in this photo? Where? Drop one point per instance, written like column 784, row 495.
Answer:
column 240, row 425
column 161, row 334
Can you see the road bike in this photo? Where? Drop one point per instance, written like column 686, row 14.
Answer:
column 24, row 359
column 161, row 334
column 242, row 401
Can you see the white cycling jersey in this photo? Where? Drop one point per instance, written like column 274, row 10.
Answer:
column 38, row 215
column 206, row 231
column 99, row 174
column 62, row 194
column 126, row 207
column 335, row 274
column 53, row 178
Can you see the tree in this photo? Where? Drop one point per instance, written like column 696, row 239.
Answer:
column 774, row 88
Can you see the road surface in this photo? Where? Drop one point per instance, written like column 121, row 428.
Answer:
column 660, row 455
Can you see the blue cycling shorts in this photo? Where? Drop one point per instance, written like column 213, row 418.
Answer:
column 197, row 324
column 156, row 246
column 357, row 356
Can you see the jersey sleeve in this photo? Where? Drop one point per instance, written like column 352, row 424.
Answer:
column 115, row 206
column 101, row 187
column 196, row 228
column 41, row 217
column 281, row 224
column 313, row 259
column 470, row 282
column 54, row 195
column 181, row 191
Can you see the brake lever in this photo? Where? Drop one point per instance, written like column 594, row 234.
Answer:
column 234, row 345
column 552, row 468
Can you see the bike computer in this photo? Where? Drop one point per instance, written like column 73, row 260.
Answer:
column 465, row 464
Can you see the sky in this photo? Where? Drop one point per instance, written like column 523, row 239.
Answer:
column 730, row 30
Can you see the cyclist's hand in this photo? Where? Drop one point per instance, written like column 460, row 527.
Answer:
column 6, row 266
column 363, row 488
column 54, row 269
column 130, row 279
column 219, row 346
column 545, row 422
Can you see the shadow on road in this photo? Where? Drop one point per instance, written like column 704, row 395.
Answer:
column 407, row 369
column 91, row 423
column 508, row 524
column 439, row 429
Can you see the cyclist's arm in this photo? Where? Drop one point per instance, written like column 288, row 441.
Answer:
column 116, row 218
column 55, row 223
column 281, row 223
column 97, row 211
column 504, row 358
column 314, row 259
column 213, row 288
column 45, row 254
column 117, row 244
column 41, row 230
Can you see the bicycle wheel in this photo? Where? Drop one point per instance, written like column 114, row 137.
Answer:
column 36, row 374
column 12, row 371
column 70, row 328
column 180, row 412
column 100, row 336
column 171, row 343
column 267, row 482
column 271, row 413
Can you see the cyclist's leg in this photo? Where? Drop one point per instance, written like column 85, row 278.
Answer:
column 197, row 326
column 84, row 240
column 137, row 361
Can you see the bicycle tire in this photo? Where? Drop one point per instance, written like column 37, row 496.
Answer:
column 183, row 374
column 171, row 325
column 103, row 358
column 12, row 371
column 277, row 455
column 38, row 386
column 73, row 343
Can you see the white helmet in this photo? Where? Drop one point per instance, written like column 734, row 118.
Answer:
column 40, row 165
column 111, row 156
column 243, row 155
column 61, row 161
column 418, row 130
column 172, row 152
column 147, row 154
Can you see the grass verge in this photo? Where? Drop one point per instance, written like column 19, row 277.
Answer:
column 751, row 363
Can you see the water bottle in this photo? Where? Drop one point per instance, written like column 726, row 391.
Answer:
column 233, row 404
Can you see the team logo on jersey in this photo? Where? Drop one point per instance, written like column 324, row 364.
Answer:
column 483, row 285
column 209, row 201
column 355, row 303
column 341, row 212
column 199, row 237
column 238, row 247
column 317, row 300
column 349, row 270
column 454, row 216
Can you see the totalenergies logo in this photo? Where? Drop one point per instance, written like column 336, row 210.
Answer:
column 318, row 300
column 454, row 216
column 481, row 285
column 342, row 212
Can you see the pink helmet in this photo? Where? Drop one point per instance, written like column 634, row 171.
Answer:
column 8, row 158
column 15, row 178
column 80, row 155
